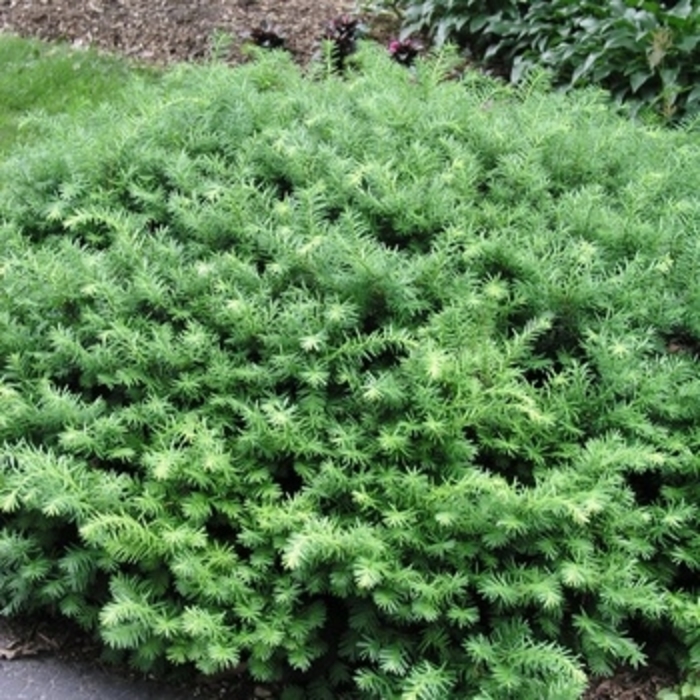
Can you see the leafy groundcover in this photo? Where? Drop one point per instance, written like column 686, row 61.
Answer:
column 378, row 386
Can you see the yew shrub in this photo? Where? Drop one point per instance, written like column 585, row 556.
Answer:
column 379, row 386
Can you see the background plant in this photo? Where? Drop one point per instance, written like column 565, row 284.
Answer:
column 405, row 51
column 384, row 385
column 340, row 37
column 645, row 53
column 268, row 36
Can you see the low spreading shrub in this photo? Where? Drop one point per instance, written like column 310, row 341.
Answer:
column 375, row 384
column 646, row 53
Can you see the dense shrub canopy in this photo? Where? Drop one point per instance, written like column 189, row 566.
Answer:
column 384, row 381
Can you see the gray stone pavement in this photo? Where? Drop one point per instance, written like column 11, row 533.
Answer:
column 51, row 678
column 50, row 660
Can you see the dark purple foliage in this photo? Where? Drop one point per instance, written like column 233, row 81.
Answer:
column 267, row 36
column 404, row 51
column 343, row 33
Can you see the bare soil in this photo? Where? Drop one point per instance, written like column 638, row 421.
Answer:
column 164, row 31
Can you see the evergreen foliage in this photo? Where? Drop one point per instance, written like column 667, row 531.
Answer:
column 380, row 385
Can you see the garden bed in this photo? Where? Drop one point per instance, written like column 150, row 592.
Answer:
column 165, row 30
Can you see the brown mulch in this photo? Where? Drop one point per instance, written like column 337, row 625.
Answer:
column 628, row 684
column 162, row 32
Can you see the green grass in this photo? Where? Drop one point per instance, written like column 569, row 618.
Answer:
column 51, row 78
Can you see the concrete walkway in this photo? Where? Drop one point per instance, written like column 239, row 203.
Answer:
column 53, row 660
column 50, row 678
